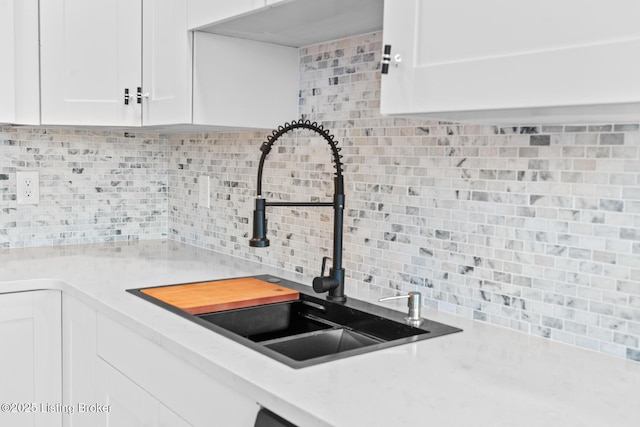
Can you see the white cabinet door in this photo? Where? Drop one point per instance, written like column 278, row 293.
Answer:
column 7, row 72
column 30, row 359
column 509, row 61
column 90, row 53
column 166, row 63
column 19, row 74
column 78, row 361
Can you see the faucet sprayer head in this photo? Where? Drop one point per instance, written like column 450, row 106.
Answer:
column 259, row 239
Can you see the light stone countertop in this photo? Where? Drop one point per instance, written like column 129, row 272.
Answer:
column 483, row 376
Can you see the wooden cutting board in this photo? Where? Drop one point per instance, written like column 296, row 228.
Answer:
column 219, row 295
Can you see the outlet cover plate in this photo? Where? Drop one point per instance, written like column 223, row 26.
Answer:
column 27, row 187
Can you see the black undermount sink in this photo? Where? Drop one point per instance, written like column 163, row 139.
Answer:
column 312, row 330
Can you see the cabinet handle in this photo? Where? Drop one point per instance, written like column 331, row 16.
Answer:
column 141, row 95
column 386, row 59
column 126, row 96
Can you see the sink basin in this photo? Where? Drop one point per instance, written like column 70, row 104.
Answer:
column 312, row 330
column 321, row 343
column 265, row 322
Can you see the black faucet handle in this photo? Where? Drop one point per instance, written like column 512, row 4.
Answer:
column 324, row 265
column 324, row 283
column 330, row 283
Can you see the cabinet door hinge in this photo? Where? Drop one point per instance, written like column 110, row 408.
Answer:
column 126, row 96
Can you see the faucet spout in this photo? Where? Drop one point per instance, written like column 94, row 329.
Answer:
column 334, row 283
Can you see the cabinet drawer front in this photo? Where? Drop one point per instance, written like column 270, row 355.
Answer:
column 197, row 398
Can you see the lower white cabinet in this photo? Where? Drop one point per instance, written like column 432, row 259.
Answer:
column 180, row 389
column 128, row 404
column 130, row 381
column 30, row 359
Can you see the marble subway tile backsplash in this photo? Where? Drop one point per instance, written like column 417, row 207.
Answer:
column 534, row 228
column 95, row 186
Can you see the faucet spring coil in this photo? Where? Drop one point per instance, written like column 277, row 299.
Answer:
column 313, row 126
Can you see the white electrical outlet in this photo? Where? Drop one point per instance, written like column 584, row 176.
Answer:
column 28, row 187
column 204, row 200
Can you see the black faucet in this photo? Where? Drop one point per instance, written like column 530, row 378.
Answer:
column 334, row 282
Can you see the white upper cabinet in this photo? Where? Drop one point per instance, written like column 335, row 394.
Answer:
column 500, row 61
column 7, row 72
column 130, row 63
column 19, row 79
column 90, row 55
column 243, row 83
column 114, row 63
